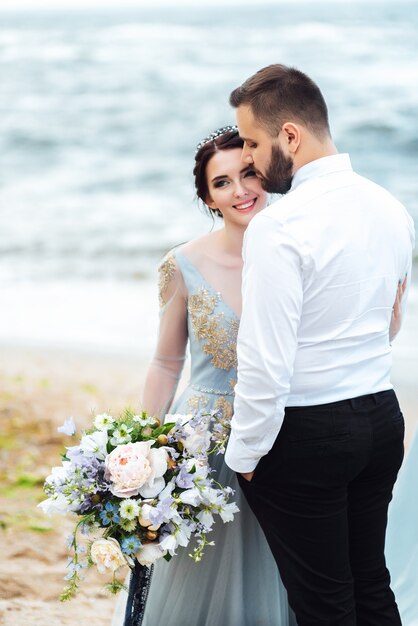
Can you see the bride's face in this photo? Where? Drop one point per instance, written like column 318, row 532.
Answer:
column 234, row 188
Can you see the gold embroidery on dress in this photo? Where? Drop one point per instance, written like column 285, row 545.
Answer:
column 197, row 402
column 225, row 406
column 220, row 340
column 222, row 426
column 232, row 383
column 166, row 272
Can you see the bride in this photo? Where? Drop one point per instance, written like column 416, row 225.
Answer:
column 237, row 583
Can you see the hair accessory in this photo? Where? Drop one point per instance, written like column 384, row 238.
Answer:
column 215, row 135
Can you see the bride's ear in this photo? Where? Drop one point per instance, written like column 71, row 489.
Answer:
column 210, row 203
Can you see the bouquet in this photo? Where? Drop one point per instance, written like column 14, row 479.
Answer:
column 139, row 490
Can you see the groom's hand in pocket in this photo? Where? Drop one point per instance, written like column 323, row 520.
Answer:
column 248, row 476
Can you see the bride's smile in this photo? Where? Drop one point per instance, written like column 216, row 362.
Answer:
column 246, row 207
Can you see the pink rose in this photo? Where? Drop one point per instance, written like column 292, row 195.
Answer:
column 136, row 468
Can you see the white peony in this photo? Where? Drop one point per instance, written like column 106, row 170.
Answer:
column 107, row 555
column 136, row 468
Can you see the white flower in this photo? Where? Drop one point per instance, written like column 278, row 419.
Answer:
column 95, row 444
column 210, row 495
column 121, row 435
column 128, row 525
column 206, row 518
column 144, row 519
column 103, row 421
column 190, row 496
column 149, row 553
column 143, row 421
column 197, row 440
column 183, row 535
column 129, row 509
column 169, row 544
column 107, row 555
column 59, row 473
column 55, row 505
column 227, row 512
column 179, row 418
column 200, row 465
column 198, row 437
column 167, row 491
column 68, row 428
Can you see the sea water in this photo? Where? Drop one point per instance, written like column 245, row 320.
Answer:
column 100, row 113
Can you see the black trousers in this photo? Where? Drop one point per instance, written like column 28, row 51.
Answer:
column 321, row 496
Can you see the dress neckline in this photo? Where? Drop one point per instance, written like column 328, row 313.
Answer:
column 208, row 284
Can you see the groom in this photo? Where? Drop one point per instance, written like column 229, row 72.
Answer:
column 317, row 436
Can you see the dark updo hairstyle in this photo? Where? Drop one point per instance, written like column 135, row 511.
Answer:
column 223, row 139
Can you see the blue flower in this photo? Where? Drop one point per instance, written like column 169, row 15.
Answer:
column 130, row 545
column 110, row 514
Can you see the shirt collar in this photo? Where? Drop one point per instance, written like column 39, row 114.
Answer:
column 321, row 167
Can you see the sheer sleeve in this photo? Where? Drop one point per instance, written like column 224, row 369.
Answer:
column 166, row 366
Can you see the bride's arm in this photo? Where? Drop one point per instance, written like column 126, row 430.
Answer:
column 166, row 366
column 395, row 323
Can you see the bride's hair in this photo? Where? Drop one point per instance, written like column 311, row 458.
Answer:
column 227, row 140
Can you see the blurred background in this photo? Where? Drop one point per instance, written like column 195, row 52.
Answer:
column 102, row 103
column 101, row 109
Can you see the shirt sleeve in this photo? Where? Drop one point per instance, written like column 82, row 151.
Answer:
column 272, row 302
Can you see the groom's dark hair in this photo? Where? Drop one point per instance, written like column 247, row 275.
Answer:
column 277, row 94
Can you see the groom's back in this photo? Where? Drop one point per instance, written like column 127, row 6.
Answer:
column 355, row 243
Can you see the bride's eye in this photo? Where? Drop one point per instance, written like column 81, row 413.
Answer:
column 250, row 173
column 220, row 183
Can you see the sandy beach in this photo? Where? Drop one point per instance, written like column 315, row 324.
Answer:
column 39, row 387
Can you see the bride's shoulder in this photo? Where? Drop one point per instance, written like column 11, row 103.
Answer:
column 200, row 245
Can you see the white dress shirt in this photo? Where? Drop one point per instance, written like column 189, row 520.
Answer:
column 321, row 270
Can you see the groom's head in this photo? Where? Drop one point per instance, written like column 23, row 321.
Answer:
column 283, row 119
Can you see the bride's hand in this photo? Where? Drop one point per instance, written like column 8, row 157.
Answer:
column 395, row 323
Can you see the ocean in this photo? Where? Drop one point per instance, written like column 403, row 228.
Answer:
column 101, row 112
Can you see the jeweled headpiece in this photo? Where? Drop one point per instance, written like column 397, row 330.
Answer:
column 215, row 135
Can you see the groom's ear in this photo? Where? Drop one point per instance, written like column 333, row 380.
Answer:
column 291, row 134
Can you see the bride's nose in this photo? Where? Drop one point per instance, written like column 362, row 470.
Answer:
column 240, row 190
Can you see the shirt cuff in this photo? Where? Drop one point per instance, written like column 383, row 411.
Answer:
column 238, row 457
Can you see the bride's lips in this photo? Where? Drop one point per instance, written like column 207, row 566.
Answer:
column 245, row 207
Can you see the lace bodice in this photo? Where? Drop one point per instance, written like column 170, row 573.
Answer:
column 192, row 312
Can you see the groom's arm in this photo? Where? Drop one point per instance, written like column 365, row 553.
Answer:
column 267, row 340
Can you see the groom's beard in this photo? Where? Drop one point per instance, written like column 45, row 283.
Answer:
column 278, row 177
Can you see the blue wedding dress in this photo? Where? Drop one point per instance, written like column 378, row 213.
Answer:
column 237, row 582
column 402, row 538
